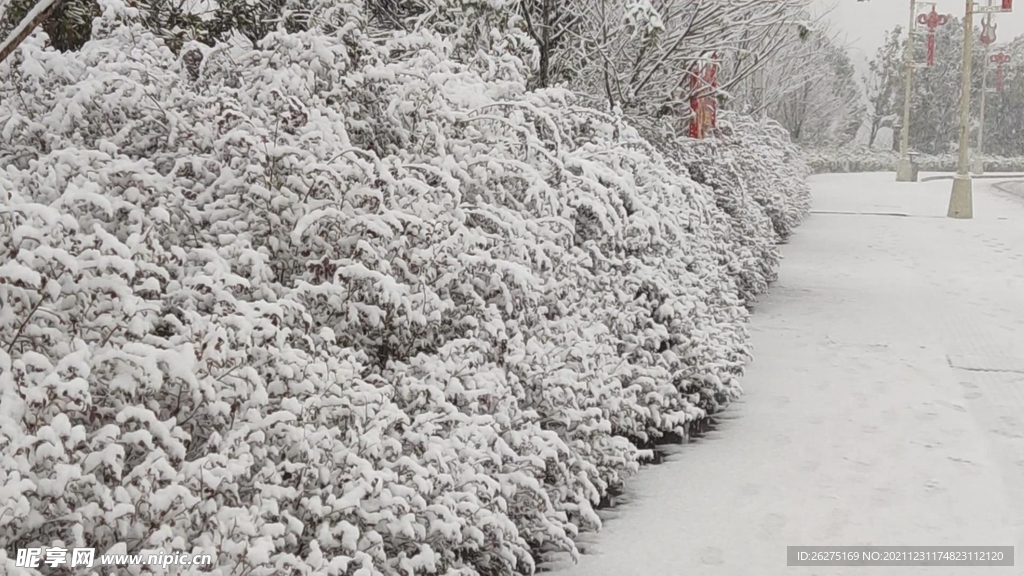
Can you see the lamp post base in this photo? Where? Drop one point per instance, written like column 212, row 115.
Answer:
column 978, row 167
column 905, row 171
column 961, row 200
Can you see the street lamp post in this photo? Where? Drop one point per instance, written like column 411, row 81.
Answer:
column 988, row 36
column 979, row 162
column 961, row 201
column 904, row 169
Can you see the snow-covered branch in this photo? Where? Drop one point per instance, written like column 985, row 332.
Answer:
column 30, row 22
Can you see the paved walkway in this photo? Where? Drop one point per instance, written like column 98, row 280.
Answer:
column 885, row 405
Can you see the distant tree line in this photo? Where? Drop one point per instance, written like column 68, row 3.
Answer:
column 935, row 97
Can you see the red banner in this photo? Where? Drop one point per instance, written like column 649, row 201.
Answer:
column 703, row 102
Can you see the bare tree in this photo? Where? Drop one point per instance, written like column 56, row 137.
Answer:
column 638, row 53
column 815, row 93
column 548, row 22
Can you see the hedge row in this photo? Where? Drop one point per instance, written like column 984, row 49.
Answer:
column 865, row 160
column 341, row 305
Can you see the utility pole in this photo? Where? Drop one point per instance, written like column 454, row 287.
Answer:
column 904, row 169
column 961, row 199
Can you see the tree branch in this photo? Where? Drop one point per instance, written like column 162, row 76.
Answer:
column 30, row 22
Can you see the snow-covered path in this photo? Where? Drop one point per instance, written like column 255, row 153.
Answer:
column 885, row 405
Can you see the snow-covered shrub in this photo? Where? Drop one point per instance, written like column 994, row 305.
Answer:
column 341, row 305
column 758, row 180
column 777, row 172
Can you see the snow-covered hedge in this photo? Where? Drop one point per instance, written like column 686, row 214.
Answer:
column 866, row 160
column 758, row 180
column 340, row 305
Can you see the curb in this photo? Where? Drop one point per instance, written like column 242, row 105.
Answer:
column 983, row 177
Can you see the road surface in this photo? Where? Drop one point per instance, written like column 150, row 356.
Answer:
column 885, row 404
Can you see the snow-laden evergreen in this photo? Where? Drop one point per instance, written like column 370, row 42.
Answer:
column 343, row 305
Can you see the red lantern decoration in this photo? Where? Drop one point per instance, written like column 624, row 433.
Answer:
column 1007, row 5
column 932, row 20
column 999, row 60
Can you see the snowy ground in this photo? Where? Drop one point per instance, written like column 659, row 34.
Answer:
column 885, row 405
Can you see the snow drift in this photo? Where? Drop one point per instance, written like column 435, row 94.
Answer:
column 342, row 305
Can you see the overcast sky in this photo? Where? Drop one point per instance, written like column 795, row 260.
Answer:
column 864, row 23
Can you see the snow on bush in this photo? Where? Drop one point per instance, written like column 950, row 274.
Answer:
column 865, row 160
column 338, row 305
column 758, row 180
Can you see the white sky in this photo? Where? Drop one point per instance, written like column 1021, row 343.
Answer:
column 864, row 23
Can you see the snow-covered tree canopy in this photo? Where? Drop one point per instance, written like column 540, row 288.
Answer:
column 884, row 92
column 935, row 101
column 635, row 56
column 811, row 89
column 342, row 302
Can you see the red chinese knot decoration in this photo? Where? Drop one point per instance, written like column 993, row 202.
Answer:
column 932, row 20
column 703, row 104
column 999, row 60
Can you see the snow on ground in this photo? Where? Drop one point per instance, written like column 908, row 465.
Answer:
column 885, row 405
